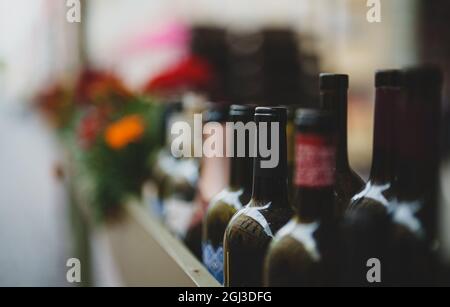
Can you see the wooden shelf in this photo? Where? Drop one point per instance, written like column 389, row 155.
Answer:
column 146, row 253
column 135, row 249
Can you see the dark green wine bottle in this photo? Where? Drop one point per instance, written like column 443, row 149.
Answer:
column 233, row 198
column 213, row 178
column 251, row 230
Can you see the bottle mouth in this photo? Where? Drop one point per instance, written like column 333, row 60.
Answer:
column 421, row 77
column 389, row 78
column 217, row 113
column 242, row 112
column 271, row 114
column 333, row 82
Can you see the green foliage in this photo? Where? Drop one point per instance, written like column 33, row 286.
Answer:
column 120, row 173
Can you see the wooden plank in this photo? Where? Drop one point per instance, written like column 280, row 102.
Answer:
column 148, row 255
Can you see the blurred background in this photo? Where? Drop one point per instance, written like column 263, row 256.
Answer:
column 263, row 51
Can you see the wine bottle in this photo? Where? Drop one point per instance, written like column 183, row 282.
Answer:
column 233, row 198
column 444, row 199
column 251, row 230
column 367, row 226
column 444, row 209
column 415, row 211
column 333, row 97
column 214, row 177
column 290, row 134
column 164, row 160
column 180, row 174
column 303, row 252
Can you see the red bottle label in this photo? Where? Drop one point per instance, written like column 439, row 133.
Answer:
column 315, row 161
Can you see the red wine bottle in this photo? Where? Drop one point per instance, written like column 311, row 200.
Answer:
column 304, row 252
column 333, row 97
column 415, row 211
column 367, row 223
column 251, row 230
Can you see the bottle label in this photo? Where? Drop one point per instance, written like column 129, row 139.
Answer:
column 213, row 260
column 315, row 161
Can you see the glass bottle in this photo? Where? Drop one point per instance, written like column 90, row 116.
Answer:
column 304, row 251
column 251, row 230
column 232, row 198
column 333, row 97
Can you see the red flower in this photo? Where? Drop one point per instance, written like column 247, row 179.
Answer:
column 191, row 73
column 91, row 125
column 96, row 87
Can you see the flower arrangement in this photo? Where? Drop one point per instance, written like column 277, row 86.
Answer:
column 113, row 132
column 117, row 150
column 117, row 134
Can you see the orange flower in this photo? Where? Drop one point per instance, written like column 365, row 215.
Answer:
column 124, row 131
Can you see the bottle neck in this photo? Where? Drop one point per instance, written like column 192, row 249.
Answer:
column 270, row 184
column 382, row 171
column 315, row 176
column 418, row 146
column 241, row 166
column 241, row 174
column 270, row 190
column 336, row 102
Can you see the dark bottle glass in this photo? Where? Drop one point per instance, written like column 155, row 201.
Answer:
column 290, row 133
column 251, row 230
column 367, row 221
column 415, row 211
column 180, row 174
column 444, row 196
column 444, row 204
column 303, row 253
column 333, row 97
column 282, row 66
column 162, row 169
column 230, row 200
column 214, row 177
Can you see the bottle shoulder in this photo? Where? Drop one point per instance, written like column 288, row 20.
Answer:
column 228, row 200
column 251, row 222
column 297, row 239
column 373, row 195
column 219, row 213
column 405, row 216
column 268, row 217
